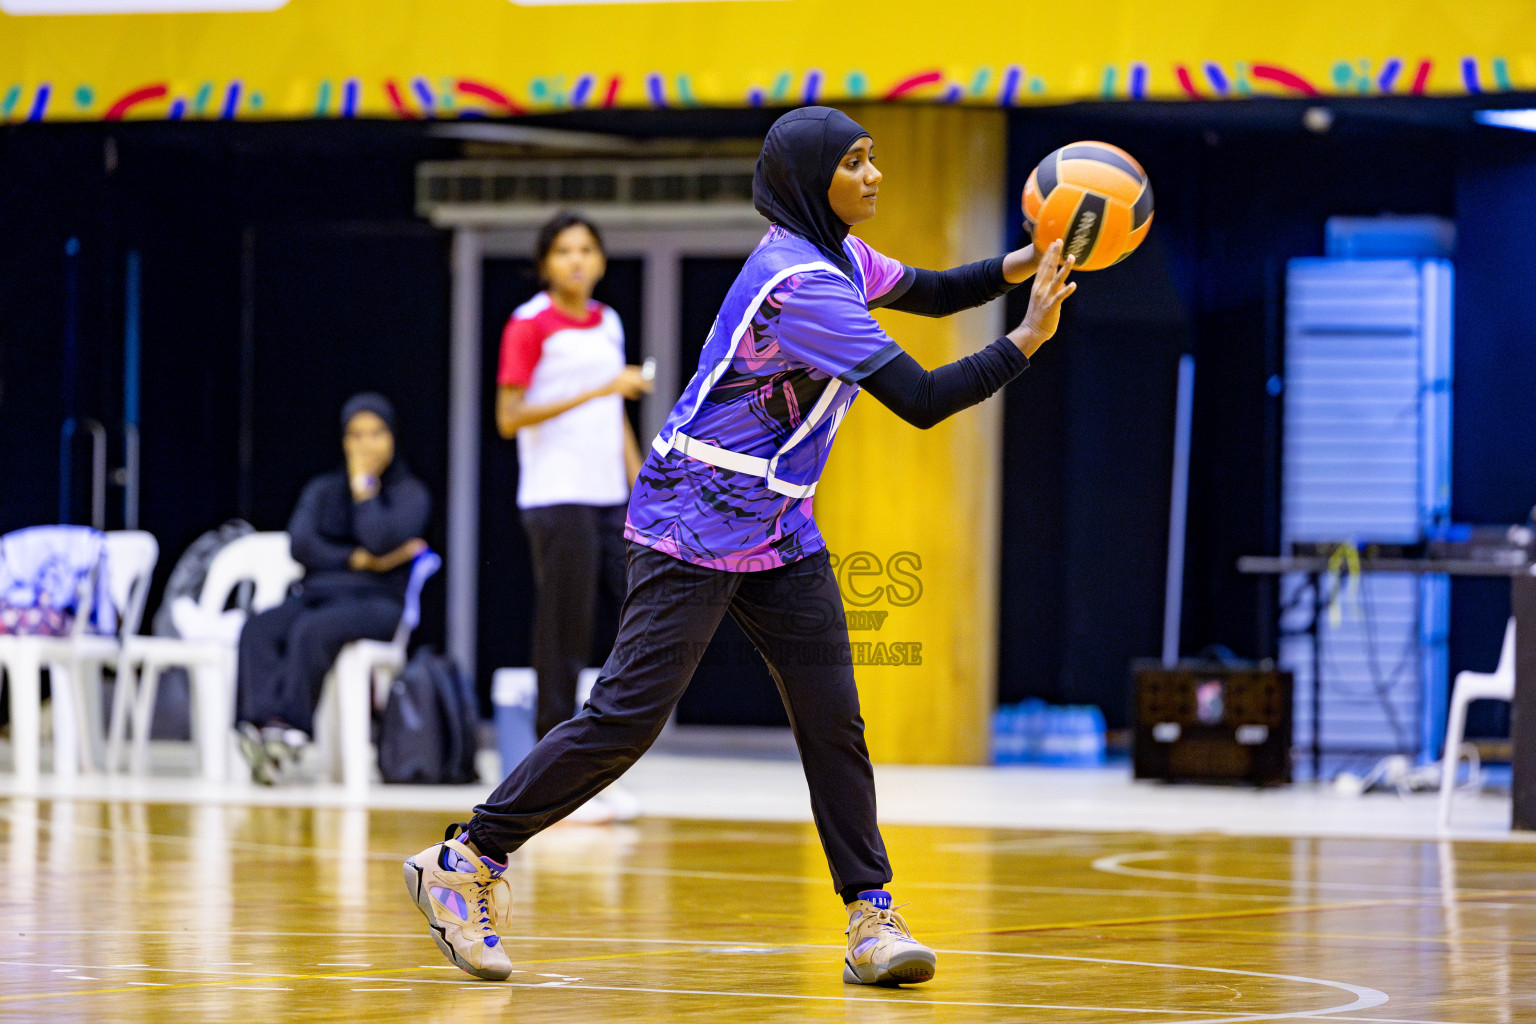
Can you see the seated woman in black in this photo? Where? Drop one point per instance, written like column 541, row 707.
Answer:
column 355, row 532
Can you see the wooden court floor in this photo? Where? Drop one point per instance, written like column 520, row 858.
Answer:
column 156, row 912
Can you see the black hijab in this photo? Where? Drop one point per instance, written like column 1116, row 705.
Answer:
column 368, row 401
column 800, row 155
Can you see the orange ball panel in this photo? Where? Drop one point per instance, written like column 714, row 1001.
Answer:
column 1101, row 178
column 1055, row 215
column 1111, row 238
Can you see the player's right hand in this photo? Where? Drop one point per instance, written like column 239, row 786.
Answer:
column 1046, row 295
column 631, row 383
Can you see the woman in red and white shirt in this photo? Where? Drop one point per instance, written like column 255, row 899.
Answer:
column 562, row 383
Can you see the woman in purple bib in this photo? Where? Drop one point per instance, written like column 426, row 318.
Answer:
column 720, row 522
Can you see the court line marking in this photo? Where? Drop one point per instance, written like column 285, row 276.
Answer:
column 1484, row 894
column 1202, row 1016
column 1350, row 937
column 1179, row 918
column 1030, row 845
column 1462, row 856
column 1365, row 998
column 1116, row 864
column 327, row 853
column 312, row 852
column 1214, row 1016
column 441, row 800
column 35, row 997
column 1110, row 864
column 1398, row 1020
column 1044, row 890
column 414, row 936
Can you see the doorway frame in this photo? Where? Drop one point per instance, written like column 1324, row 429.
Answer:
column 661, row 246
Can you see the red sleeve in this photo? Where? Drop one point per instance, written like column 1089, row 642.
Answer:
column 521, row 345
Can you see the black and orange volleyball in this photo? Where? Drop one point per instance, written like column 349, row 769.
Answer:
column 1093, row 196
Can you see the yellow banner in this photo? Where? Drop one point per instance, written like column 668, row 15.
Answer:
column 222, row 59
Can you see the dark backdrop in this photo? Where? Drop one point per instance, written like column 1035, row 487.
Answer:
column 294, row 243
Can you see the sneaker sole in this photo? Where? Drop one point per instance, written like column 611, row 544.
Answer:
column 415, row 884
column 911, row 968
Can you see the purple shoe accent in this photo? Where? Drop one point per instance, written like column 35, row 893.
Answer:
column 861, row 947
column 492, row 940
column 451, row 901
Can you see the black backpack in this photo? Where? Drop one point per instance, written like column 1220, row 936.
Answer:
column 429, row 733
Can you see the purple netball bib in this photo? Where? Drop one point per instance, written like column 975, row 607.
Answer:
column 729, row 480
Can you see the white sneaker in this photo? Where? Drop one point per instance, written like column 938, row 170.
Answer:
column 611, row 806
column 622, row 802
column 464, row 899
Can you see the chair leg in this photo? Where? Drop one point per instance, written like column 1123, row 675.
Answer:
column 213, row 719
column 328, row 724
column 1455, row 733
column 123, row 693
column 24, row 672
column 66, row 720
column 354, row 713
column 88, row 687
column 144, row 714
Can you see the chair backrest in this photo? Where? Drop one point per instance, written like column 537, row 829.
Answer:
column 261, row 559
column 423, row 566
column 58, row 567
column 130, row 561
column 1507, row 652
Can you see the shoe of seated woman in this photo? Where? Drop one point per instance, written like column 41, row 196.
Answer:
column 254, row 749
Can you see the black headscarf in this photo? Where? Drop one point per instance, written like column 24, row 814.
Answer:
column 800, row 155
column 369, row 401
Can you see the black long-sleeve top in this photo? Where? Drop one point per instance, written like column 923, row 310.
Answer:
column 942, row 292
column 925, row 397
column 327, row 526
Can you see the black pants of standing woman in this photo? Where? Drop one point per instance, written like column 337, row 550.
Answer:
column 794, row 615
column 578, row 555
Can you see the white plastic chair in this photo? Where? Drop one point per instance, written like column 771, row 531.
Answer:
column 75, row 662
column 261, row 559
column 1470, row 686
column 362, row 673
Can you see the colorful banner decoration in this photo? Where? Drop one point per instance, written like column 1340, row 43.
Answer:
column 224, row 59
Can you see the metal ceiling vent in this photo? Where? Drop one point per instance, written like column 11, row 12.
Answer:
column 509, row 193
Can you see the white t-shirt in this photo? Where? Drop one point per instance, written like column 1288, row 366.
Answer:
column 576, row 458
